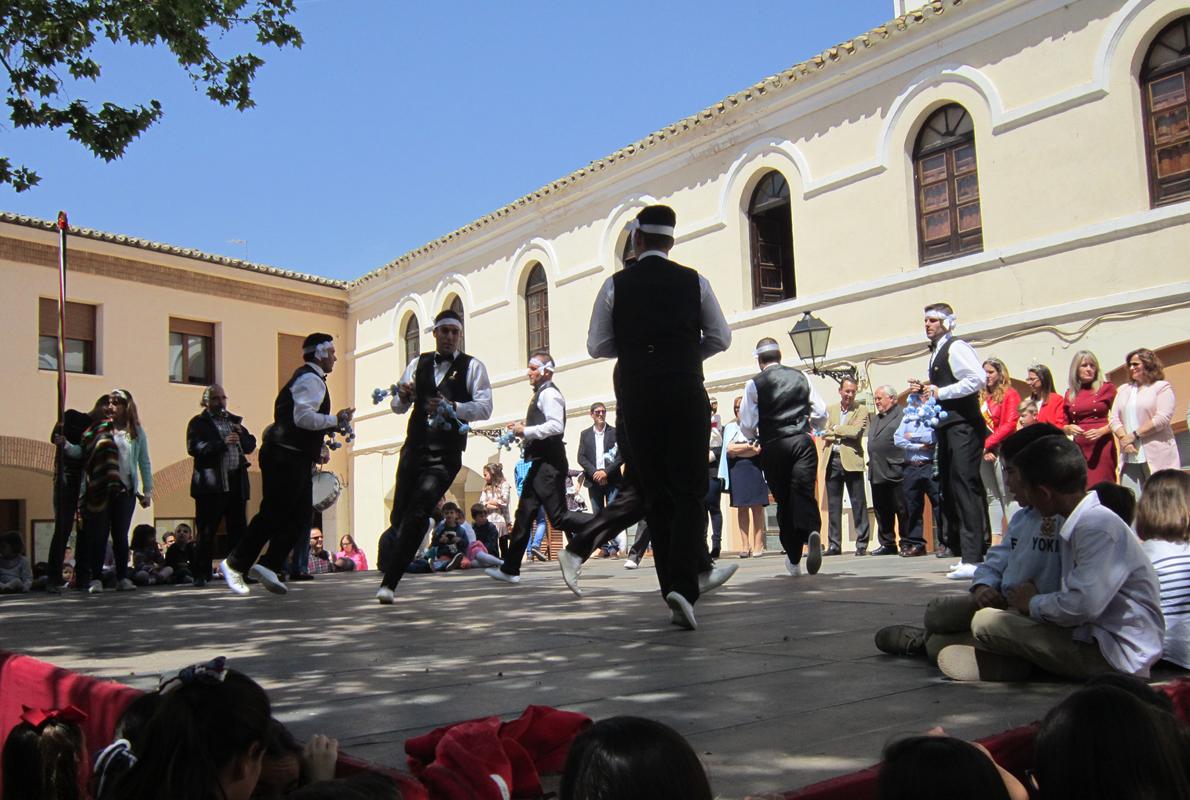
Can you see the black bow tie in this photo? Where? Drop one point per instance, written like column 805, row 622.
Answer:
column 443, row 357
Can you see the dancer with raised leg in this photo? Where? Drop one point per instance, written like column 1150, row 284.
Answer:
column 432, row 455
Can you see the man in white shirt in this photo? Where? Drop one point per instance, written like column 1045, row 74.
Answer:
column 1105, row 617
column 545, row 484
column 955, row 377
column 594, row 445
column 292, row 446
column 432, row 454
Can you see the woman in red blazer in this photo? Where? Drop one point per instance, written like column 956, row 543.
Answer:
column 999, row 402
column 1051, row 406
column 1088, row 403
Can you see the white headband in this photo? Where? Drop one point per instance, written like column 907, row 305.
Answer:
column 448, row 322
column 546, row 365
column 659, row 230
column 767, row 347
column 120, row 393
column 947, row 320
column 320, row 350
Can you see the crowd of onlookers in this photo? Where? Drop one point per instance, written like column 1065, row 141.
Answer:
column 208, row 732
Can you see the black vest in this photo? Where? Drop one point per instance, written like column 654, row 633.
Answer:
column 453, row 387
column 783, row 399
column 551, row 448
column 284, row 433
column 656, row 320
column 960, row 409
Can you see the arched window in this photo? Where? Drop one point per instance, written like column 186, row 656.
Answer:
column 770, row 227
column 537, row 310
column 1167, row 115
column 456, row 305
column 947, row 184
column 412, row 339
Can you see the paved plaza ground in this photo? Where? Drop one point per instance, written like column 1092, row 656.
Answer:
column 779, row 687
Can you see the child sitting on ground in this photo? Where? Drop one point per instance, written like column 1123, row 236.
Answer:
column 15, row 574
column 487, row 538
column 1163, row 524
column 148, row 564
column 1105, row 616
column 448, row 552
column 632, row 757
column 43, row 755
column 936, row 766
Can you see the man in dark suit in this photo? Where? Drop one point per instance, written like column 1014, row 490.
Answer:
column 217, row 441
column 660, row 320
column 885, row 461
column 602, row 476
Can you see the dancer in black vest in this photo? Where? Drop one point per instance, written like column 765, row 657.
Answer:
column 545, row 484
column 293, row 444
column 956, row 376
column 660, row 320
column 68, row 479
column 778, row 409
column 431, row 457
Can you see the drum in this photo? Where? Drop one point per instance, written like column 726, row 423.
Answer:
column 326, row 490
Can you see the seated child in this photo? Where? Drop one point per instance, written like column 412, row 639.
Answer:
column 632, row 757
column 487, row 538
column 1105, row 616
column 148, row 564
column 179, row 554
column 936, row 766
column 1163, row 524
column 1028, row 551
column 448, row 552
column 128, row 739
column 43, row 754
column 15, row 574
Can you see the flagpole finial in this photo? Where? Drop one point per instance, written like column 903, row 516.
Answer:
column 63, row 224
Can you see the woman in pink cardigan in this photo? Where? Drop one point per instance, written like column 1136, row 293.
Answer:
column 348, row 550
column 1140, row 420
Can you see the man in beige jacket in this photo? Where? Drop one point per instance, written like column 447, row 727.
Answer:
column 843, row 453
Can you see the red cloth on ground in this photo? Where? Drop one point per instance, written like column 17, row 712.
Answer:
column 470, row 759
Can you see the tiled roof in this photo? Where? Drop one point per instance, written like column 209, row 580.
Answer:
column 184, row 252
column 770, row 86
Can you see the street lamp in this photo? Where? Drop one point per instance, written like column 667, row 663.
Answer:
column 810, row 336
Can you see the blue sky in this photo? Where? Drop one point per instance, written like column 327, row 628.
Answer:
column 398, row 122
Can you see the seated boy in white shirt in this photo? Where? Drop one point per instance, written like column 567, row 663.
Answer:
column 1105, row 617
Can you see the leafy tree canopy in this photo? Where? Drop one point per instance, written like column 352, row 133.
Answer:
column 43, row 40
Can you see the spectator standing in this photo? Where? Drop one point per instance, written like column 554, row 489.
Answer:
column 843, row 449
column 1141, row 420
column 999, row 403
column 1089, row 399
column 496, row 497
column 714, row 488
column 217, row 441
column 349, row 550
column 1051, row 407
column 1163, row 524
column 739, row 469
column 602, row 474
column 916, row 438
column 885, row 470
column 956, row 377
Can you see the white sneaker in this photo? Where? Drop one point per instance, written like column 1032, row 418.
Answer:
column 715, row 577
column 95, row 587
column 631, row 564
column 501, row 575
column 385, row 596
column 487, row 560
column 268, row 579
column 794, row 569
column 683, row 612
column 963, row 572
column 125, row 585
column 234, row 579
column 572, row 567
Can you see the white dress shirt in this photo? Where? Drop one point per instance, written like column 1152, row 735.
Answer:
column 552, row 404
column 966, row 366
column 601, row 339
column 480, row 405
column 1110, row 594
column 750, row 409
column 308, row 392
column 597, row 435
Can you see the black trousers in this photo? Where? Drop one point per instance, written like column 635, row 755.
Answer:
column 66, row 503
column 836, row 479
column 714, row 514
column 888, row 500
column 544, row 487
column 960, row 450
column 286, row 508
column 917, row 484
column 791, row 469
column 209, row 510
column 667, row 441
column 423, row 476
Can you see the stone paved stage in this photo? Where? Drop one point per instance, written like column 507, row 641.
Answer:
column 779, row 687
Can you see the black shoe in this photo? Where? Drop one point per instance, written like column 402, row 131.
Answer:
column 199, row 583
column 886, row 550
column 913, row 550
column 833, row 550
column 714, row 554
column 944, row 552
column 301, row 576
column 861, row 551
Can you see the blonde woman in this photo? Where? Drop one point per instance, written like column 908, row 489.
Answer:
column 496, row 496
column 1089, row 400
column 999, row 403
